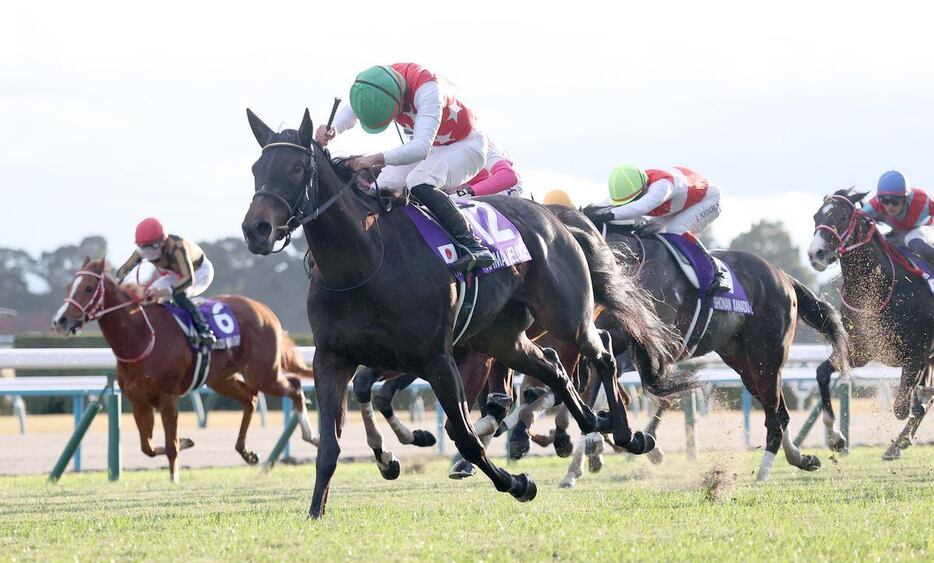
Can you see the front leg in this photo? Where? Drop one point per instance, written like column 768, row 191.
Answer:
column 332, row 374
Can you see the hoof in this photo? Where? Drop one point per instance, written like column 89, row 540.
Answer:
column 391, row 470
column 903, row 442
column 462, row 470
column 501, row 430
column 524, row 489
column 185, row 443
column 595, row 463
column 563, row 445
column 809, row 463
column 250, row 457
column 313, row 441
column 641, row 443
column 656, row 456
column 519, row 444
column 568, row 482
column 893, row 453
column 423, row 438
column 838, row 445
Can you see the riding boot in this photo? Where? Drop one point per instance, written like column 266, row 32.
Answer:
column 205, row 336
column 445, row 211
column 721, row 277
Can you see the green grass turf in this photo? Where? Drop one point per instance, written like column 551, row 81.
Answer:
column 859, row 508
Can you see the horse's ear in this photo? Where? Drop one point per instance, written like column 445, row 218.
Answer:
column 86, row 260
column 855, row 196
column 261, row 131
column 306, row 132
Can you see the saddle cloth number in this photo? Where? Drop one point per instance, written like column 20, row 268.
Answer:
column 490, row 232
column 223, row 321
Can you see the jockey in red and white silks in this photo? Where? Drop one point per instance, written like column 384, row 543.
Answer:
column 678, row 201
column 909, row 211
column 444, row 151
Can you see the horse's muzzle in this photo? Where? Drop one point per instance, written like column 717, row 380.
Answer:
column 258, row 236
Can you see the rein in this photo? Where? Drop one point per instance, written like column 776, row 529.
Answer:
column 844, row 246
column 95, row 310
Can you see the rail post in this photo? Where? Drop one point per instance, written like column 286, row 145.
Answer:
column 281, row 448
column 114, row 412
column 747, row 408
column 439, row 417
column 81, row 428
column 812, row 418
column 845, row 391
column 690, row 408
column 197, row 404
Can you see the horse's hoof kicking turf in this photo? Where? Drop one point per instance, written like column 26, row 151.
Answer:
column 595, row 463
column 810, row 463
column 892, row 454
column 462, row 470
column 563, row 445
column 519, row 444
column 423, row 438
column 838, row 445
column 525, row 489
column 656, row 455
column 641, row 443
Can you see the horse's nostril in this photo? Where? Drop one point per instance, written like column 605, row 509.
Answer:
column 263, row 229
column 820, row 253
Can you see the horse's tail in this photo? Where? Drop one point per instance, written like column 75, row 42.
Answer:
column 291, row 359
column 629, row 310
column 824, row 318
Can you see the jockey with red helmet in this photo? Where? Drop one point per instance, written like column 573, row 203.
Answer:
column 678, row 201
column 444, row 151
column 909, row 211
column 184, row 270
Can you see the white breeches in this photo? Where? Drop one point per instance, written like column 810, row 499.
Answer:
column 447, row 167
column 204, row 275
column 924, row 232
column 695, row 218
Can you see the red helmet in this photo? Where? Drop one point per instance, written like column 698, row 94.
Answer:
column 149, row 231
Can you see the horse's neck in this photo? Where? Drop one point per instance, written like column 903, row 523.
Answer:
column 340, row 239
column 123, row 328
column 867, row 272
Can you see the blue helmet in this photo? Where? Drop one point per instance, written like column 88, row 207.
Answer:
column 893, row 183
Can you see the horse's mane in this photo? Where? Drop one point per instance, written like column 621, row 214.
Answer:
column 132, row 290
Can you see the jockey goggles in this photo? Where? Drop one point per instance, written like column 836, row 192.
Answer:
column 892, row 199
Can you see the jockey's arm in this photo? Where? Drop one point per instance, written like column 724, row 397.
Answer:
column 344, row 120
column 501, row 177
column 656, row 194
column 181, row 257
column 428, row 103
column 131, row 263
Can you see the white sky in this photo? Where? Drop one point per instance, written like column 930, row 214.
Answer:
column 113, row 111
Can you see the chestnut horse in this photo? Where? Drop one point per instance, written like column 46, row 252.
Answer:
column 155, row 364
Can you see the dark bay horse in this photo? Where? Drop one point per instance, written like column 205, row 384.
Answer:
column 379, row 297
column 888, row 309
column 156, row 365
column 755, row 346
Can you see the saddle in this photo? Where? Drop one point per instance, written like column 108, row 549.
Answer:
column 922, row 266
column 223, row 324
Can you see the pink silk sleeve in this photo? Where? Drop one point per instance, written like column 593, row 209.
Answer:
column 501, row 177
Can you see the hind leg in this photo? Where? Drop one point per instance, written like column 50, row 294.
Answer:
column 168, row 409
column 386, row 461
column 145, row 421
column 792, row 454
column 923, row 399
column 835, row 439
column 291, row 386
column 238, row 391
column 383, row 403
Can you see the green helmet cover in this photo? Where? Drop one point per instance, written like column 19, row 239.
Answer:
column 626, row 183
column 376, row 97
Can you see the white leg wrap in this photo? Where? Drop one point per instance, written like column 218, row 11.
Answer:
column 593, row 443
column 402, row 432
column 373, row 437
column 834, row 437
column 486, row 426
column 792, row 453
column 765, row 468
column 541, row 406
column 576, row 468
column 305, row 425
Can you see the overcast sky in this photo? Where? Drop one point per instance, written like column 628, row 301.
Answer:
column 111, row 112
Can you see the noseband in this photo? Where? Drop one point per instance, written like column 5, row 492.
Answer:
column 298, row 213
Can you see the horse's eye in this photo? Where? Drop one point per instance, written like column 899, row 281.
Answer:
column 87, row 289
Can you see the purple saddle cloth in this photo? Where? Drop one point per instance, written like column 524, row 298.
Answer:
column 495, row 231
column 734, row 301
column 220, row 318
column 919, row 263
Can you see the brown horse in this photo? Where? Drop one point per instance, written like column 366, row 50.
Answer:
column 156, row 365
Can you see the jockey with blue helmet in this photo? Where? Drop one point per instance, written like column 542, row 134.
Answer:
column 909, row 211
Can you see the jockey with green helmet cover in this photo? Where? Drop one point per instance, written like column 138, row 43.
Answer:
column 444, row 151
column 909, row 211
column 183, row 270
column 678, row 201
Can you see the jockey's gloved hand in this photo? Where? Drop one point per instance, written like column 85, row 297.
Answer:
column 651, row 227
column 465, row 191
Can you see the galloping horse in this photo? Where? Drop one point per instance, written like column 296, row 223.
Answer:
column 156, row 364
column 380, row 297
column 888, row 309
column 755, row 346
